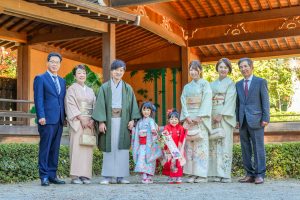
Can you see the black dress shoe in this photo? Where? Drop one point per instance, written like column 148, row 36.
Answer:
column 56, row 181
column 44, row 182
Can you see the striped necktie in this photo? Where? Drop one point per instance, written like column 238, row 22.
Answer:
column 246, row 88
column 56, row 84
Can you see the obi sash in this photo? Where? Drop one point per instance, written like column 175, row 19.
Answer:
column 85, row 108
column 218, row 99
column 193, row 102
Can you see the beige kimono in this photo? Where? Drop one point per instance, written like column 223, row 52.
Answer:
column 79, row 100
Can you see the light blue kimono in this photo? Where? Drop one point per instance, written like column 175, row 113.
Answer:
column 197, row 151
column 145, row 156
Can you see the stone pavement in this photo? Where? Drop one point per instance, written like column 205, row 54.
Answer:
column 280, row 189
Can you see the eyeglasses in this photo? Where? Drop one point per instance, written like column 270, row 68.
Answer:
column 54, row 62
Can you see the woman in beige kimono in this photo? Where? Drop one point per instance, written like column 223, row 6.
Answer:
column 223, row 115
column 196, row 113
column 79, row 103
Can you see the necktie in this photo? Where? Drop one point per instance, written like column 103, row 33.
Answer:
column 56, row 84
column 246, row 87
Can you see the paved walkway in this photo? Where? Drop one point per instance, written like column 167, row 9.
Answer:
column 270, row 190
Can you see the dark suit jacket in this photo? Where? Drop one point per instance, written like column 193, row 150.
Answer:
column 256, row 106
column 48, row 103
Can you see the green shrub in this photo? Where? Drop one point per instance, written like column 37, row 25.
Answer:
column 18, row 162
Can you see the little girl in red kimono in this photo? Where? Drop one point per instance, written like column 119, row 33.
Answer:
column 174, row 167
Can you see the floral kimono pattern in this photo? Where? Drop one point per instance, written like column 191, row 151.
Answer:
column 196, row 102
column 220, row 151
column 145, row 155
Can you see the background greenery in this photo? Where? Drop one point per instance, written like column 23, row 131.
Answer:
column 18, row 162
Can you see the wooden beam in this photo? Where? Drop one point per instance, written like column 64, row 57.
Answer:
column 169, row 12
column 122, row 3
column 68, row 54
column 244, row 37
column 243, row 17
column 185, row 61
column 160, row 31
column 12, row 36
column 257, row 55
column 157, row 29
column 36, row 12
column 62, row 34
column 108, row 50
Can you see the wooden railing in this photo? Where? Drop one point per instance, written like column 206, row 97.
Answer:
column 16, row 117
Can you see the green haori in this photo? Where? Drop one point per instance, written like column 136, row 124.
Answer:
column 103, row 113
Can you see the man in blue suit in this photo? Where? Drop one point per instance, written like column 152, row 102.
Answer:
column 253, row 114
column 49, row 94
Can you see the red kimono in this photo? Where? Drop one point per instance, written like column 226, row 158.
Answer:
column 172, row 167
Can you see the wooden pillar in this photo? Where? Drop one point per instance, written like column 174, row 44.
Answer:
column 185, row 60
column 23, row 74
column 108, row 50
column 163, row 96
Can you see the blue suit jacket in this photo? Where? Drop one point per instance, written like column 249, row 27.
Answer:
column 256, row 106
column 48, row 103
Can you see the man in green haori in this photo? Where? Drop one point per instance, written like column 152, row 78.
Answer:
column 116, row 109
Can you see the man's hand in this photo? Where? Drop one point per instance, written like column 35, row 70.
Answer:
column 237, row 126
column 102, row 127
column 264, row 124
column 130, row 124
column 42, row 121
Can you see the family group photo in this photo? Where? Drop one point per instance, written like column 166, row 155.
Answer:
column 178, row 99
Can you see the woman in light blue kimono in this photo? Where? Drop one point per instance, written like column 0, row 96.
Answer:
column 145, row 150
column 196, row 106
column 223, row 115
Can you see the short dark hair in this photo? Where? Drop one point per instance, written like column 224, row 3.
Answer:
column 80, row 66
column 226, row 61
column 52, row 54
column 117, row 64
column 149, row 105
column 248, row 60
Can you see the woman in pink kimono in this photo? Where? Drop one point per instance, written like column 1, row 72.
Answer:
column 79, row 103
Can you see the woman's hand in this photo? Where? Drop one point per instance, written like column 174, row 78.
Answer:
column 198, row 120
column 217, row 118
column 84, row 121
column 91, row 124
column 188, row 120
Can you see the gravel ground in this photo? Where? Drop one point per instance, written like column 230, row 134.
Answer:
column 285, row 189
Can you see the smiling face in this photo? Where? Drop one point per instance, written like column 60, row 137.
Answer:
column 118, row 73
column 194, row 74
column 173, row 121
column 53, row 64
column 80, row 76
column 223, row 70
column 146, row 112
column 246, row 69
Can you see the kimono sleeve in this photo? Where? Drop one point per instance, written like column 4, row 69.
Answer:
column 71, row 106
column 99, row 112
column 230, row 101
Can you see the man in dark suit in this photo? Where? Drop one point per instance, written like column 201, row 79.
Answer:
column 49, row 94
column 253, row 114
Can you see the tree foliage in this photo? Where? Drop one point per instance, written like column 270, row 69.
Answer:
column 8, row 63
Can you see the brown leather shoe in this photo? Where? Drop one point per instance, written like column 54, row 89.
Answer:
column 259, row 180
column 247, row 179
